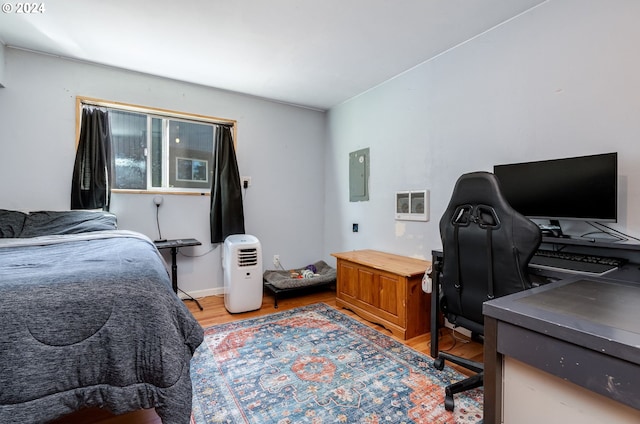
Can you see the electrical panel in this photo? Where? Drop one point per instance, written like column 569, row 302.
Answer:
column 359, row 175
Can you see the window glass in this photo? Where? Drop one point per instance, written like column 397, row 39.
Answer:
column 190, row 154
column 129, row 146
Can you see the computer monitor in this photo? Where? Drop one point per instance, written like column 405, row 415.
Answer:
column 578, row 188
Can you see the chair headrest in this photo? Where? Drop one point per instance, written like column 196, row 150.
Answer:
column 480, row 188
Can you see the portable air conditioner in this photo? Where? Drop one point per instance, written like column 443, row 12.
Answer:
column 242, row 268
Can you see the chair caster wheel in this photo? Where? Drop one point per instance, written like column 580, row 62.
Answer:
column 449, row 403
column 438, row 364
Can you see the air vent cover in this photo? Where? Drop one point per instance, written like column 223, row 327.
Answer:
column 247, row 257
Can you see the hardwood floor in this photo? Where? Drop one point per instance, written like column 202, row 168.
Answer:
column 215, row 313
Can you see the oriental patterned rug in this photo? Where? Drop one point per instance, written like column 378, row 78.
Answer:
column 317, row 365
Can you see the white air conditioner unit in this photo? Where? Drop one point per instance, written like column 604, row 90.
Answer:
column 242, row 268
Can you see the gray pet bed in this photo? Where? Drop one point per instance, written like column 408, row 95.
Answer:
column 279, row 281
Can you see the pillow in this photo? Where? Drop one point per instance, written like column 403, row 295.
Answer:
column 11, row 223
column 44, row 223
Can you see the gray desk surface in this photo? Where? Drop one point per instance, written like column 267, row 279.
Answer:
column 585, row 330
column 596, row 313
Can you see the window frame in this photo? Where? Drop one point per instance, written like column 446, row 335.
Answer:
column 156, row 112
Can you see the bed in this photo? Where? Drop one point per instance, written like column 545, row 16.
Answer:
column 88, row 319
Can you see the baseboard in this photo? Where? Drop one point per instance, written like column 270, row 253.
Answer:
column 216, row 291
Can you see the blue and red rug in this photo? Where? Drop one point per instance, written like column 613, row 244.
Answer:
column 317, row 365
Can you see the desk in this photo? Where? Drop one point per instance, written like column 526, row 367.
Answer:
column 174, row 245
column 547, row 344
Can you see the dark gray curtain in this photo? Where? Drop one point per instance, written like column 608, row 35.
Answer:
column 227, row 213
column 90, row 187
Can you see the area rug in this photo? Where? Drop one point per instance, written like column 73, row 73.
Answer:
column 317, row 365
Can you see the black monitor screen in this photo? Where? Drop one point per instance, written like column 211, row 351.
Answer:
column 583, row 188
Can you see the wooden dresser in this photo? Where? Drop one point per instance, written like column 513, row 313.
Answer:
column 385, row 289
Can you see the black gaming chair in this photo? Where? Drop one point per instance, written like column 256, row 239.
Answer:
column 487, row 246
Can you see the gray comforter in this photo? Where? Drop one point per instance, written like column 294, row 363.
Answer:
column 90, row 320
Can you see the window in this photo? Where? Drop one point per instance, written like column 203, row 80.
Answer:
column 156, row 150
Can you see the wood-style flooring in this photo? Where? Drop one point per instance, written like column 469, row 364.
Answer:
column 215, row 313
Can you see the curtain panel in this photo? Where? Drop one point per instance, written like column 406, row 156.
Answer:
column 227, row 213
column 90, row 187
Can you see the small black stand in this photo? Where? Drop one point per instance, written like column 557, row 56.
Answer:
column 174, row 245
column 553, row 229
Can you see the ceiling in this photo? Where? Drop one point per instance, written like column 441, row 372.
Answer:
column 316, row 54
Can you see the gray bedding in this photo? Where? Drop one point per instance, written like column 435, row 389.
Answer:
column 90, row 320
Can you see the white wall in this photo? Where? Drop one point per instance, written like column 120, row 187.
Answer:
column 280, row 146
column 561, row 80
column 2, row 48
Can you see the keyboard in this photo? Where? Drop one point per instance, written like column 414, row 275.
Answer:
column 574, row 262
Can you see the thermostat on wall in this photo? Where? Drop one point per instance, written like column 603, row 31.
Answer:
column 412, row 205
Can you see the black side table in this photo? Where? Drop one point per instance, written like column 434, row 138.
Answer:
column 174, row 245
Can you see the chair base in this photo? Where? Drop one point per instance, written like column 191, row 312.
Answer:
column 463, row 385
column 459, row 387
